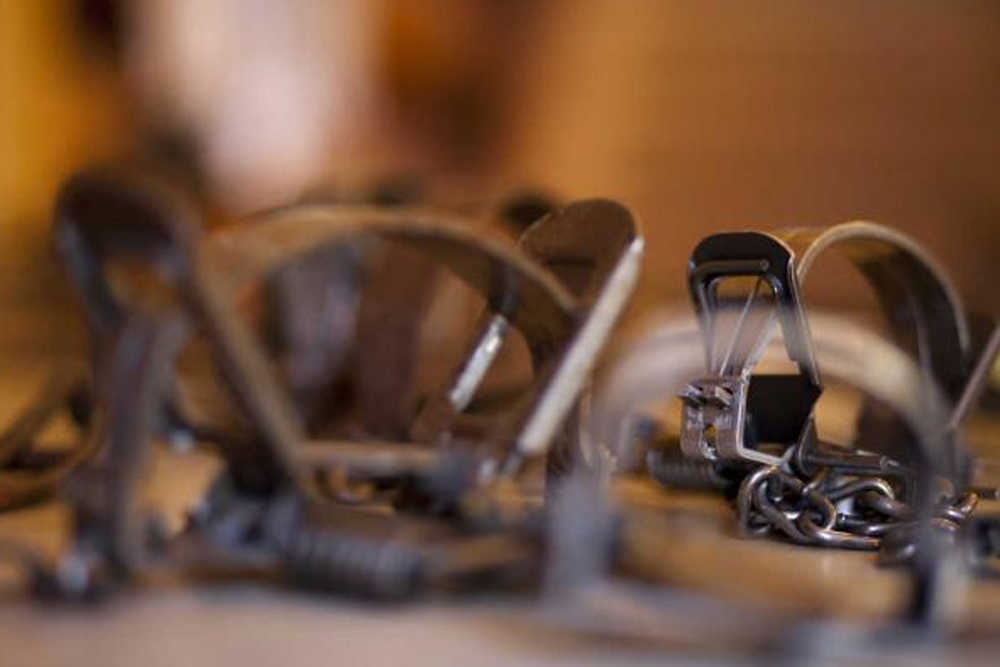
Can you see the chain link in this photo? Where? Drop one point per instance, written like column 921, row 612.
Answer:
column 839, row 510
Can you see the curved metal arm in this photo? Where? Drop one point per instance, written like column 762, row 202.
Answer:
column 563, row 288
column 533, row 299
column 919, row 301
column 667, row 361
column 924, row 312
column 105, row 215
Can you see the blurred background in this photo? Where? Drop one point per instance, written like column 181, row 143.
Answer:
column 700, row 115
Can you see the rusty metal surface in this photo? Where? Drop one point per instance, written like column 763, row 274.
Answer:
column 149, row 284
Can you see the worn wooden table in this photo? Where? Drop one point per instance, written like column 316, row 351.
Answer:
column 171, row 624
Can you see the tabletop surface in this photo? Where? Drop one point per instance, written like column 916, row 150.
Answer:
column 166, row 623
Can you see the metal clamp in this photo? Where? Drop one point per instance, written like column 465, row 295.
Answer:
column 268, row 488
column 563, row 289
column 732, row 409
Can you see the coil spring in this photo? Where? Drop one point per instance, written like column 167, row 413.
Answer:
column 366, row 567
column 674, row 470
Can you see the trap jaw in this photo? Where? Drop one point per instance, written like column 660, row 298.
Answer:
column 727, row 412
column 921, row 307
column 563, row 287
